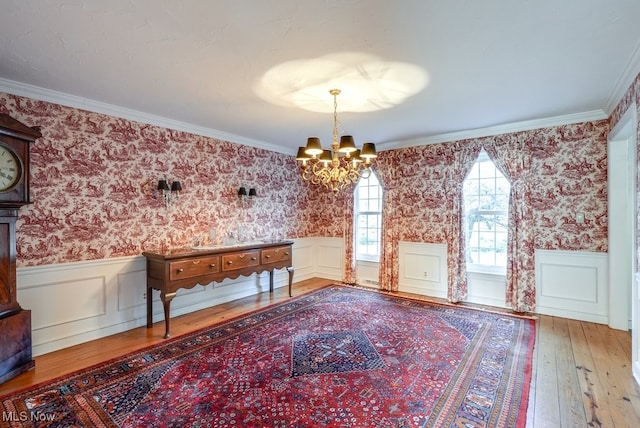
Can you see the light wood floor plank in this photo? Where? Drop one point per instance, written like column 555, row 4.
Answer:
column 620, row 370
column 569, row 394
column 613, row 380
column 594, row 398
column 547, row 409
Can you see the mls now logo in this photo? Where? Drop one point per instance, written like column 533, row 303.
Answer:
column 27, row 417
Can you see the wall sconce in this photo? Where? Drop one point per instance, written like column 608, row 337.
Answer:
column 169, row 193
column 242, row 193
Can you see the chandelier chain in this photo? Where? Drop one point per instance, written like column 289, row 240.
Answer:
column 335, row 115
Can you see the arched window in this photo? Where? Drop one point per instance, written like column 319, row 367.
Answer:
column 368, row 218
column 486, row 206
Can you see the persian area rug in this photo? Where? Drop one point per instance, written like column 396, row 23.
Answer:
column 336, row 357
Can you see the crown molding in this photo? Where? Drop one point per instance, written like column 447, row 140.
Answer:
column 625, row 81
column 528, row 125
column 43, row 94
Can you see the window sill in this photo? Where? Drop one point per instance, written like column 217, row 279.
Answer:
column 486, row 270
column 373, row 260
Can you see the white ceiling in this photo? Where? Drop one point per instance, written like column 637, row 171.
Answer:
column 200, row 64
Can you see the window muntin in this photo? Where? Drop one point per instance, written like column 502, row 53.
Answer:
column 368, row 218
column 486, row 201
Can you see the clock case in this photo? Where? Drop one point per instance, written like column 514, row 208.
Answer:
column 15, row 322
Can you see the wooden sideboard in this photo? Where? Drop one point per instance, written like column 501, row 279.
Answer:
column 187, row 267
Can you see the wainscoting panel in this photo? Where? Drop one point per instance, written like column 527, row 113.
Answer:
column 77, row 302
column 132, row 289
column 330, row 258
column 486, row 289
column 89, row 301
column 572, row 284
column 368, row 273
column 423, row 269
column 303, row 259
column 73, row 302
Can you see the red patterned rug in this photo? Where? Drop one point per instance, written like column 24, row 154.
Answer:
column 337, row 357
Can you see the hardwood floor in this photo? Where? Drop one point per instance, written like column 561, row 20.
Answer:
column 581, row 371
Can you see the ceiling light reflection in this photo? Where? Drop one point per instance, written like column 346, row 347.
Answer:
column 367, row 82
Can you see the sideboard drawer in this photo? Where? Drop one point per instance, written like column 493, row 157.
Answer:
column 275, row 255
column 240, row 260
column 193, row 267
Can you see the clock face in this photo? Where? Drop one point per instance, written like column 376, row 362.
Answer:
column 10, row 169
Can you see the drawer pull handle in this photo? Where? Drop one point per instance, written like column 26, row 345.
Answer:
column 241, row 256
column 286, row 253
column 212, row 265
column 268, row 256
column 253, row 259
column 180, row 270
column 230, row 262
column 196, row 262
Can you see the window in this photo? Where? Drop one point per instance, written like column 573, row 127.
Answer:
column 486, row 203
column 368, row 218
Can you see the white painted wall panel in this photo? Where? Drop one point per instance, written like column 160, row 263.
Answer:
column 555, row 283
column 486, row 289
column 303, row 259
column 330, row 258
column 423, row 269
column 572, row 284
column 88, row 300
column 368, row 273
column 132, row 289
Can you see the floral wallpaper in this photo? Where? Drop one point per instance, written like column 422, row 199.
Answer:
column 569, row 177
column 94, row 178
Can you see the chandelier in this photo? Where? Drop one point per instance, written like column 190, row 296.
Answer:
column 342, row 165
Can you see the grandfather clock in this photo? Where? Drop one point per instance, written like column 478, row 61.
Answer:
column 15, row 322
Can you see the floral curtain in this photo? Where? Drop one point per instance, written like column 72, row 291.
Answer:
column 513, row 157
column 349, row 276
column 464, row 156
column 385, row 169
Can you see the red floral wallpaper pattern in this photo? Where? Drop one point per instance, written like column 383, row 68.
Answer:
column 569, row 177
column 93, row 181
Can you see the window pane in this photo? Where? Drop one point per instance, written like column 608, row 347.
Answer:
column 487, row 186
column 486, row 202
column 475, row 171
column 487, row 169
column 472, row 203
column 502, row 185
column 502, row 202
column 368, row 212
